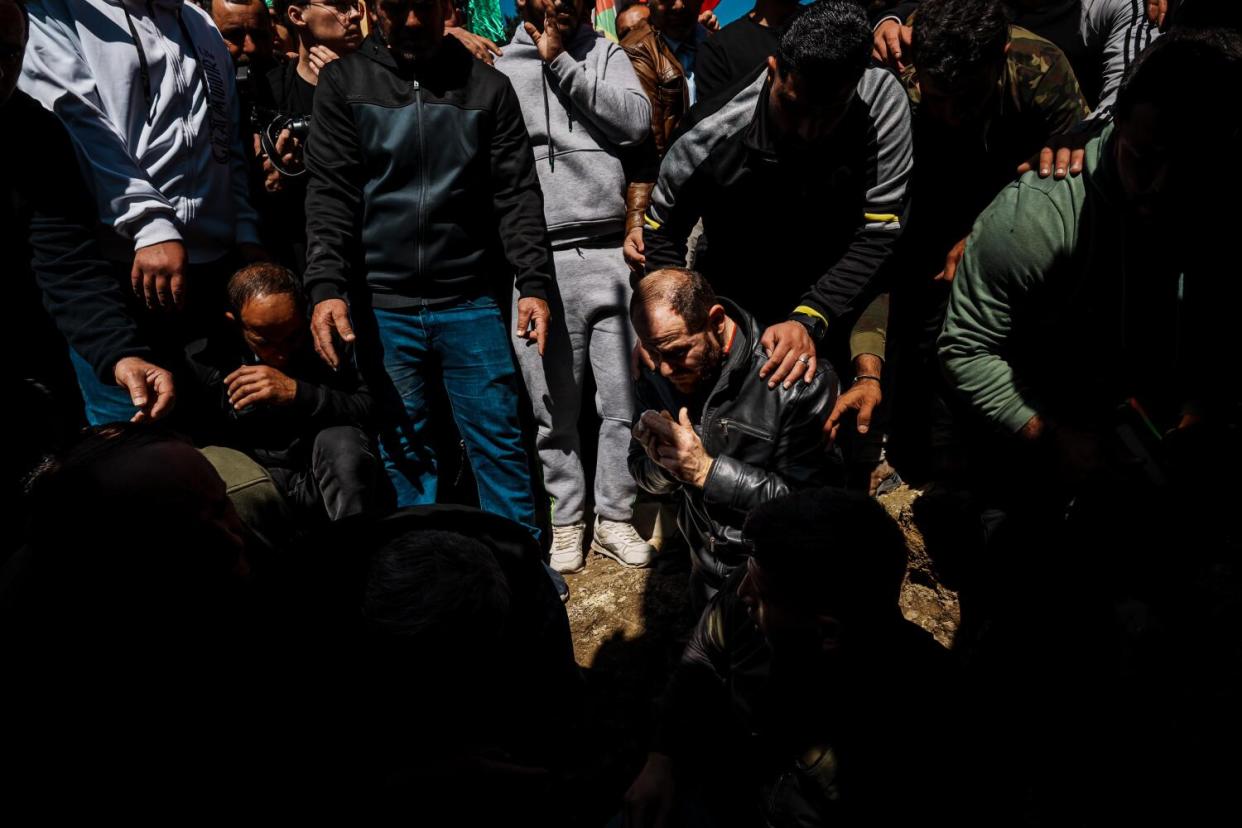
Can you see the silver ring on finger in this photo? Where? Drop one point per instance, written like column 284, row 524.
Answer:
column 804, row 359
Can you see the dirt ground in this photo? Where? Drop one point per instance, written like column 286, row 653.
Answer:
column 611, row 605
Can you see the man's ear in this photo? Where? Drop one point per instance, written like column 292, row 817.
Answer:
column 293, row 15
column 773, row 70
column 716, row 316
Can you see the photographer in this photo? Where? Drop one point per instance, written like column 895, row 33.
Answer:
column 324, row 32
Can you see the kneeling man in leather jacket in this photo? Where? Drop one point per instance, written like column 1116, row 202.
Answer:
column 710, row 426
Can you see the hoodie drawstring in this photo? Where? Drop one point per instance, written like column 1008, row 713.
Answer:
column 547, row 119
column 144, row 70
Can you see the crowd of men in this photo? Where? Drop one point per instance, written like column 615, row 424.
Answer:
column 302, row 284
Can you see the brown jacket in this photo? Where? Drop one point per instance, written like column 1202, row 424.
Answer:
column 664, row 81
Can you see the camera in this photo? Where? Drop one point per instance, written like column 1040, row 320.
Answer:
column 266, row 122
column 298, row 126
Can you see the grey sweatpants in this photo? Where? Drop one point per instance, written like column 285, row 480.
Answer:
column 590, row 320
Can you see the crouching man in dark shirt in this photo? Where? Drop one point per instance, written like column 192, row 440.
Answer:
column 787, row 707
column 264, row 391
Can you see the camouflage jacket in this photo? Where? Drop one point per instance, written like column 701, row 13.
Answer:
column 1039, row 93
column 958, row 171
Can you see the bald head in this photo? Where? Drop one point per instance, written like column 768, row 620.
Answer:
column 681, row 325
column 631, row 17
column 246, row 27
column 684, row 292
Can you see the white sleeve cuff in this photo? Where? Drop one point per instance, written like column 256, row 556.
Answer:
column 157, row 229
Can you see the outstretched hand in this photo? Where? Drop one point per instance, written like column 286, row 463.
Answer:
column 532, row 321
column 861, row 400
column 890, row 43
column 548, row 42
column 331, row 318
column 150, row 387
column 482, row 48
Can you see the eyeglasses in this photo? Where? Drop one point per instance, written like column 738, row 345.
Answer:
column 341, row 8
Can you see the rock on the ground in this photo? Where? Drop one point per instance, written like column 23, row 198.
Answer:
column 925, row 600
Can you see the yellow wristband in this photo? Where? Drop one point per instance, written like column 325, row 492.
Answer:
column 807, row 310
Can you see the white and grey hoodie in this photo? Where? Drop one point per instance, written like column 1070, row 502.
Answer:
column 146, row 90
column 580, row 110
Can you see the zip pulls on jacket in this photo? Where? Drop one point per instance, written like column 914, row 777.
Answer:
column 422, row 171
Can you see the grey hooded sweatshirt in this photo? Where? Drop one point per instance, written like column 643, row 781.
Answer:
column 580, row 110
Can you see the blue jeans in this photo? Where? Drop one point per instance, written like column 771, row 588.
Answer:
column 466, row 347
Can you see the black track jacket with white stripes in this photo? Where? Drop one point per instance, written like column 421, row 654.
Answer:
column 786, row 229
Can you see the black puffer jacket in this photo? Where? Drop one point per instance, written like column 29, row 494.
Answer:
column 766, row 443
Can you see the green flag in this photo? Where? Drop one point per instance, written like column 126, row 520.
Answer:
column 486, row 19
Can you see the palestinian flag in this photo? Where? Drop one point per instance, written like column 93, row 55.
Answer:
column 604, row 18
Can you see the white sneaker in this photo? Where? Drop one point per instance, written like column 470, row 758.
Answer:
column 567, row 548
column 618, row 540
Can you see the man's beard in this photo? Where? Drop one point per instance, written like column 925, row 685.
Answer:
column 713, row 356
column 713, row 359
column 411, row 47
column 407, row 49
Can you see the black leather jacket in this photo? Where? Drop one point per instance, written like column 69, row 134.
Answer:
column 766, row 443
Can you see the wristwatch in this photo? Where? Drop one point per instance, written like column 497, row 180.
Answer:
column 814, row 322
